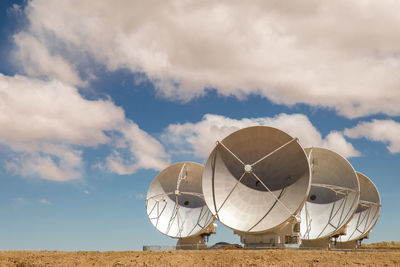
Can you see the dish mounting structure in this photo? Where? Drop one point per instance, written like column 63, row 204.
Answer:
column 255, row 182
column 175, row 205
column 332, row 200
column 365, row 216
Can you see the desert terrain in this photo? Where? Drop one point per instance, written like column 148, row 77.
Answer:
column 381, row 254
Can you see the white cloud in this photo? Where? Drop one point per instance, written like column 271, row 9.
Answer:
column 59, row 163
column 199, row 138
column 47, row 125
column 37, row 111
column 386, row 131
column 45, row 202
column 146, row 152
column 336, row 142
column 338, row 54
column 37, row 61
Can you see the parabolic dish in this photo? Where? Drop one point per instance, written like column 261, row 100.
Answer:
column 175, row 203
column 333, row 197
column 367, row 212
column 256, row 179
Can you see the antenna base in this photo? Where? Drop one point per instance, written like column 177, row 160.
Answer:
column 354, row 244
column 288, row 234
column 316, row 243
column 193, row 242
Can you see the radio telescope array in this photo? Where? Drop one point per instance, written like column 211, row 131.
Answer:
column 261, row 183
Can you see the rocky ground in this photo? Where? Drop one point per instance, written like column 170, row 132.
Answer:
column 387, row 255
column 289, row 257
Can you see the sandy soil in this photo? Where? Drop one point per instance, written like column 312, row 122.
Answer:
column 289, row 257
column 392, row 245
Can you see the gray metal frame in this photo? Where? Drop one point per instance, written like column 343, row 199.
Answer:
column 256, row 179
column 173, row 187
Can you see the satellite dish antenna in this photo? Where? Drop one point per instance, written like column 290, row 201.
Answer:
column 332, row 200
column 175, row 205
column 255, row 182
column 365, row 217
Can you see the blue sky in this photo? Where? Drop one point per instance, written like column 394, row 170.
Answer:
column 97, row 98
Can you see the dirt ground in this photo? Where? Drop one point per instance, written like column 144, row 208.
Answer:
column 288, row 257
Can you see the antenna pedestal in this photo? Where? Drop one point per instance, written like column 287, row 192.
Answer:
column 328, row 242
column 198, row 241
column 288, row 234
column 193, row 242
column 354, row 244
column 316, row 243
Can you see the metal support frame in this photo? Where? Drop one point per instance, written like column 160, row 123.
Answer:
column 338, row 190
column 250, row 170
column 160, row 198
column 365, row 219
column 278, row 235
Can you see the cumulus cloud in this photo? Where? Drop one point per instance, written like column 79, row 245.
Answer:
column 198, row 139
column 335, row 54
column 56, row 162
column 34, row 110
column 386, row 131
column 37, row 61
column 145, row 152
column 48, row 124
